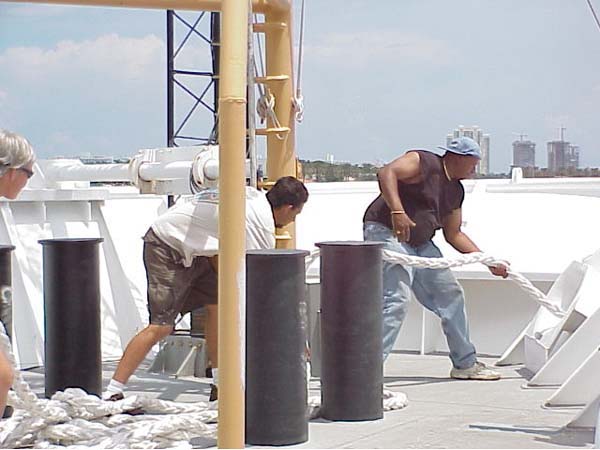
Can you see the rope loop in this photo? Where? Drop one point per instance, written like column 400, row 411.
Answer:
column 298, row 103
column 265, row 108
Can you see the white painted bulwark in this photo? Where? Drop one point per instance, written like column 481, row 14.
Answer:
column 520, row 227
column 121, row 221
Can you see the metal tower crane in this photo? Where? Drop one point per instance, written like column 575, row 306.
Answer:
column 192, row 90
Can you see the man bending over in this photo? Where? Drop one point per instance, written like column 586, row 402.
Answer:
column 421, row 192
column 180, row 261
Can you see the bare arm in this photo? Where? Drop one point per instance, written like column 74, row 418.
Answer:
column 407, row 169
column 463, row 243
column 455, row 236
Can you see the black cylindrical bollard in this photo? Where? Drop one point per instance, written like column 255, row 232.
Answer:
column 72, row 342
column 6, row 287
column 276, row 398
column 351, row 330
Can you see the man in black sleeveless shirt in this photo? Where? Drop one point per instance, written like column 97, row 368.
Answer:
column 421, row 192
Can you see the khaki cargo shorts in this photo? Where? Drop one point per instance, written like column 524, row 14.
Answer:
column 172, row 287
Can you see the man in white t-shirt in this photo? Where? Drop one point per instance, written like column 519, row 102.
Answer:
column 180, row 251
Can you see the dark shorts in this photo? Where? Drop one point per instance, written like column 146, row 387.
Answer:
column 172, row 287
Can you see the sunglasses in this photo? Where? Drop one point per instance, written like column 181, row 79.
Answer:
column 27, row 171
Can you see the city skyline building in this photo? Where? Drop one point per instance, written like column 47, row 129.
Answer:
column 562, row 155
column 523, row 153
column 475, row 133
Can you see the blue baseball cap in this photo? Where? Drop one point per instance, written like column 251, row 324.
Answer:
column 463, row 146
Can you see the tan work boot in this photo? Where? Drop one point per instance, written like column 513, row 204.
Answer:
column 478, row 371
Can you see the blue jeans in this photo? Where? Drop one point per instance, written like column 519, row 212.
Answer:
column 436, row 289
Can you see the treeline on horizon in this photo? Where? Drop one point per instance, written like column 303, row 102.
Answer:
column 323, row 171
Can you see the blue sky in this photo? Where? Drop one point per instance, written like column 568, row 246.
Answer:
column 378, row 77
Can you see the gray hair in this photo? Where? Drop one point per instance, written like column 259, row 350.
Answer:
column 15, row 151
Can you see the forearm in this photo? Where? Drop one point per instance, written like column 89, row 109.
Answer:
column 462, row 243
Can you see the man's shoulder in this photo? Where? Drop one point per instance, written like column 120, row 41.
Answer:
column 429, row 162
column 426, row 155
column 257, row 204
column 255, row 198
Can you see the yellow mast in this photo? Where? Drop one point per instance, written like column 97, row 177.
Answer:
column 232, row 229
column 281, row 157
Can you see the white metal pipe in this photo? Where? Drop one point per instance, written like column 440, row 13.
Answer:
column 157, row 171
column 74, row 170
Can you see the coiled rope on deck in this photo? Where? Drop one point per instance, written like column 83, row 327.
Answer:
column 75, row 418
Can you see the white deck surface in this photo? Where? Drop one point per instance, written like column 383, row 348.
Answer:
column 442, row 413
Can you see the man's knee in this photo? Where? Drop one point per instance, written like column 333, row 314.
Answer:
column 455, row 295
column 159, row 331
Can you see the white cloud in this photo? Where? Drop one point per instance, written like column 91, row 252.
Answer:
column 86, row 95
column 109, row 55
column 363, row 48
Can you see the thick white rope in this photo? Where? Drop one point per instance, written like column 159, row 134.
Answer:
column 461, row 260
column 75, row 418
column 391, row 401
column 298, row 100
column 251, row 98
column 265, row 107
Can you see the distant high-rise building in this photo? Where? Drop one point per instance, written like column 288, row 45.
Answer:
column 562, row 155
column 574, row 156
column 475, row 133
column 523, row 154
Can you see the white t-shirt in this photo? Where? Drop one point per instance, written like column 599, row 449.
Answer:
column 191, row 226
